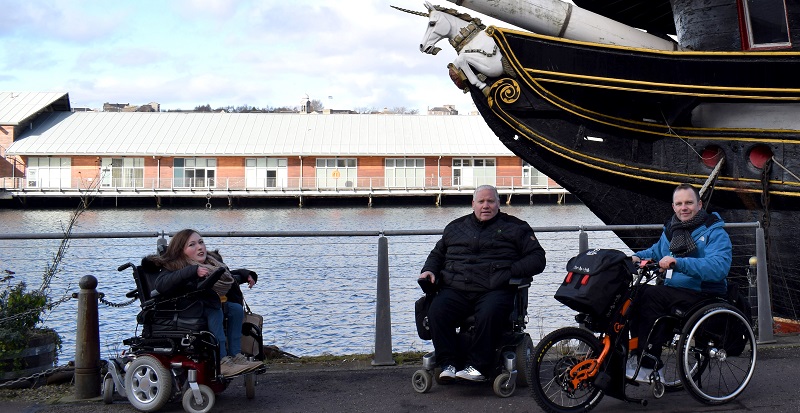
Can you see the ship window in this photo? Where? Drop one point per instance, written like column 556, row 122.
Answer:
column 711, row 155
column 759, row 156
column 765, row 24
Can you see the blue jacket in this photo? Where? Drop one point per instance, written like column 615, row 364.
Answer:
column 704, row 269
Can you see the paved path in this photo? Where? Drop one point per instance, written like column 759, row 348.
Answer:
column 775, row 388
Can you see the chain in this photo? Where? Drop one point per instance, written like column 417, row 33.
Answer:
column 49, row 306
column 35, row 377
column 116, row 305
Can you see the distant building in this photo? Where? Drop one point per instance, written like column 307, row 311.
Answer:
column 50, row 151
column 126, row 107
column 443, row 110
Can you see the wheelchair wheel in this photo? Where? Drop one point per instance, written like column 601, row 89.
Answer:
column 148, row 384
column 670, row 374
column 191, row 405
column 503, row 385
column 108, row 390
column 552, row 360
column 250, row 385
column 717, row 354
column 524, row 355
column 422, row 380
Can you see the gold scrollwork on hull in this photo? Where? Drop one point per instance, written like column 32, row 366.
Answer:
column 506, row 90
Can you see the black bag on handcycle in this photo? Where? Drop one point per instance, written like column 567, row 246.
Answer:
column 595, row 281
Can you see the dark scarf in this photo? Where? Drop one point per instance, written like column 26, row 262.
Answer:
column 679, row 233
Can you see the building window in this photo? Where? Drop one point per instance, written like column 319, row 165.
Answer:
column 265, row 172
column 195, row 173
column 474, row 172
column 405, row 172
column 49, row 172
column 531, row 176
column 122, row 172
column 766, row 24
column 336, row 172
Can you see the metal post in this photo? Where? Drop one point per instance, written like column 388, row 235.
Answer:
column 87, row 351
column 765, row 334
column 583, row 241
column 383, row 318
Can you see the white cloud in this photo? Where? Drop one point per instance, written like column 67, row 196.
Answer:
column 226, row 52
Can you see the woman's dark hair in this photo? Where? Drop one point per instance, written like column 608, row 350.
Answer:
column 173, row 258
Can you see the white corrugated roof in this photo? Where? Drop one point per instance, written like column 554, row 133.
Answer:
column 260, row 134
column 16, row 107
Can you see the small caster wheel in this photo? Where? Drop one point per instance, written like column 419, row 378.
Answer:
column 503, row 385
column 422, row 380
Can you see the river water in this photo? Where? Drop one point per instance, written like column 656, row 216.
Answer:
column 317, row 294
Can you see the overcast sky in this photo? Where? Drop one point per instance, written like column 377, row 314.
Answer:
column 265, row 53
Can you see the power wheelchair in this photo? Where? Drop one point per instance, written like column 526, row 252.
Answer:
column 711, row 353
column 175, row 357
column 514, row 354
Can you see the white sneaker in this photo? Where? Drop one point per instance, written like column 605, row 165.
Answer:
column 448, row 373
column 470, row 373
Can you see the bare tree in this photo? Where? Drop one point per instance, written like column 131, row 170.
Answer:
column 316, row 105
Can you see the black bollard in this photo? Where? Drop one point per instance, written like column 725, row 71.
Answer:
column 87, row 342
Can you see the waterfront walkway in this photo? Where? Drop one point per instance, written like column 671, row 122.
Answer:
column 359, row 387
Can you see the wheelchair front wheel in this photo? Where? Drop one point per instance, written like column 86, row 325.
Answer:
column 422, row 381
column 208, row 398
column 503, row 385
column 717, row 354
column 553, row 357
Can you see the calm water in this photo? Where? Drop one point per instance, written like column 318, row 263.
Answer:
column 317, row 294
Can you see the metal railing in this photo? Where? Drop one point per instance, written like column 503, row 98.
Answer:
column 347, row 285
column 318, row 184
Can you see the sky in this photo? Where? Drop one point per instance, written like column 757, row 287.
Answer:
column 348, row 54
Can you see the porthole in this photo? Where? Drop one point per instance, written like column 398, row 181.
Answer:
column 759, row 155
column 711, row 155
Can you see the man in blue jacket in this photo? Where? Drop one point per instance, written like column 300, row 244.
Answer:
column 695, row 252
column 472, row 265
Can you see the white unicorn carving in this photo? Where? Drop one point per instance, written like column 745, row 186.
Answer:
column 474, row 47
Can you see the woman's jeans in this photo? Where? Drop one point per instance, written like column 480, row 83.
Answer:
column 235, row 315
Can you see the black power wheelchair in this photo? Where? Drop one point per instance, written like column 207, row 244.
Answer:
column 175, row 357
column 514, row 354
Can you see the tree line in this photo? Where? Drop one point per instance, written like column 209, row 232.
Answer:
column 316, row 105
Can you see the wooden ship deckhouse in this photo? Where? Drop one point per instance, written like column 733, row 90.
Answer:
column 50, row 151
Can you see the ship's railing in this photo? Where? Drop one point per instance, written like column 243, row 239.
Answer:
column 279, row 184
column 355, row 286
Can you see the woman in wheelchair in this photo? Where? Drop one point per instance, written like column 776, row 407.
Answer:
column 694, row 252
column 183, row 265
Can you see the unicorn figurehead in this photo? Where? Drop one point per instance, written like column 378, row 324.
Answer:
column 474, row 47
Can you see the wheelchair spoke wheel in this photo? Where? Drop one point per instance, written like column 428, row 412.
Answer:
column 670, row 374
column 148, row 384
column 717, row 354
column 191, row 405
column 552, row 360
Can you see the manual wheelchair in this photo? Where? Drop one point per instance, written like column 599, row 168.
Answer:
column 514, row 354
column 175, row 357
column 711, row 353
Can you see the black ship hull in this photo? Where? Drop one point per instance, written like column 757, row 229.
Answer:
column 619, row 128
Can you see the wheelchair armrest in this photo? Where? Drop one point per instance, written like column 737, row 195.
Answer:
column 520, row 283
column 132, row 293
